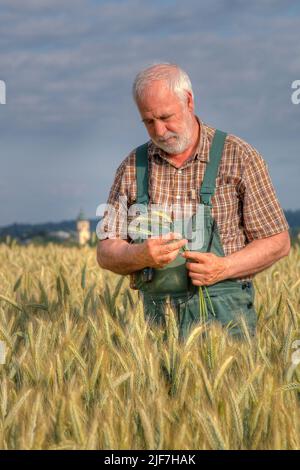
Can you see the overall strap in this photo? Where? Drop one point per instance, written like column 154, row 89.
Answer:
column 141, row 157
column 209, row 181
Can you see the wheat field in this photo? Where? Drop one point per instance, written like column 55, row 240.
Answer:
column 83, row 370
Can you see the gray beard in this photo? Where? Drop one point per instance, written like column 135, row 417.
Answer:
column 180, row 144
column 176, row 147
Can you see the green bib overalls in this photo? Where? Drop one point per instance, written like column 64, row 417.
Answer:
column 228, row 299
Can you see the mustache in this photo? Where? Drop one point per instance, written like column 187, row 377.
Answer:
column 164, row 139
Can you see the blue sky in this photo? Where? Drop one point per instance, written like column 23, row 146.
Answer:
column 69, row 65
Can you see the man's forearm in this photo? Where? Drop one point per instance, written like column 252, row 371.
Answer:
column 119, row 257
column 255, row 257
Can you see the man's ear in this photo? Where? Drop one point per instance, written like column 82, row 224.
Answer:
column 190, row 101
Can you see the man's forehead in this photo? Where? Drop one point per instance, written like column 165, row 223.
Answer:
column 158, row 110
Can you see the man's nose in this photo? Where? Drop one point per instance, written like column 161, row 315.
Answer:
column 159, row 128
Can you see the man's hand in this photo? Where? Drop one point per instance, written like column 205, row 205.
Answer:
column 121, row 257
column 208, row 268
column 158, row 252
column 205, row 268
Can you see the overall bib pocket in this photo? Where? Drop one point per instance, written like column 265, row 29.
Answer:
column 232, row 304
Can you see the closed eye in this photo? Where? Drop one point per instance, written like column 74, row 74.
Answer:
column 162, row 118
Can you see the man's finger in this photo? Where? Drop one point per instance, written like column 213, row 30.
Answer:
column 171, row 236
column 165, row 238
column 165, row 259
column 174, row 246
column 195, row 276
column 195, row 256
column 195, row 267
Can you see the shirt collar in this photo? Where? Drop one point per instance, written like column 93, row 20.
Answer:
column 202, row 152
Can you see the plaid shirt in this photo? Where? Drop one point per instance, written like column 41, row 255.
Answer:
column 244, row 205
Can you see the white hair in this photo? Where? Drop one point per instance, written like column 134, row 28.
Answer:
column 177, row 80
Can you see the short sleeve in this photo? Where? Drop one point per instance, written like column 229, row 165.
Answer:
column 262, row 213
column 122, row 194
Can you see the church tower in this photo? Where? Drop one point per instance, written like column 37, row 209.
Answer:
column 83, row 229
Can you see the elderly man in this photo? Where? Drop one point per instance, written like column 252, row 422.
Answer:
column 188, row 163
